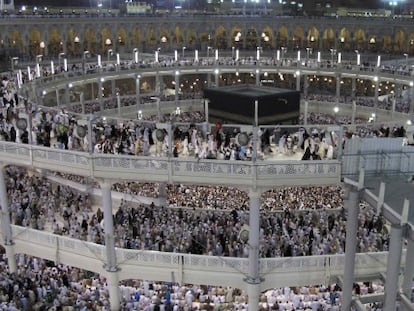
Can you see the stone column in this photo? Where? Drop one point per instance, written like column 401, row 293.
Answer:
column 206, row 102
column 338, row 87
column 352, row 206
column 393, row 267
column 407, row 283
column 253, row 279
column 354, row 109
column 111, row 262
column 100, row 94
column 138, row 92
column 305, row 112
column 376, row 97
column 113, row 87
column 177, row 86
column 209, row 80
column 297, row 81
column 163, row 194
column 157, row 87
column 305, row 86
column 57, row 98
column 353, row 88
column 5, row 223
column 258, row 77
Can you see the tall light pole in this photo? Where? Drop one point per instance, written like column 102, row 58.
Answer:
column 184, row 51
column 135, row 55
column 14, row 62
column 84, row 56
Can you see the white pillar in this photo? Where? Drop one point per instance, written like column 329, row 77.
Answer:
column 253, row 279
column 5, row 223
column 407, row 283
column 138, row 91
column 305, row 113
column 257, row 77
column 111, row 264
column 338, row 87
column 352, row 206
column 177, row 87
column 100, row 94
column 354, row 108
column 393, row 267
column 163, row 194
column 206, row 101
column 297, row 81
column 114, row 292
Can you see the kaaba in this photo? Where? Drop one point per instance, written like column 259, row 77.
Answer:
column 235, row 104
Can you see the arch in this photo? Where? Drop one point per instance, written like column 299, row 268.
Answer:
column 165, row 38
column 373, row 43
column 251, row 38
column 90, row 41
column 136, row 37
column 267, row 38
column 106, row 39
column 410, row 48
column 151, row 38
column 400, row 41
column 313, row 38
column 328, row 39
column 191, row 37
column 55, row 44
column 122, row 37
column 386, row 43
column 359, row 39
column 72, row 47
column 236, row 37
column 221, row 37
column 16, row 41
column 282, row 37
column 298, row 38
column 34, row 42
column 345, row 40
column 177, row 35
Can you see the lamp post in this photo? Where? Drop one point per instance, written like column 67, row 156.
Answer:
column 308, row 51
column 283, row 49
column 14, row 62
column 406, row 60
column 208, row 51
column 84, row 56
column 336, row 110
column 333, row 53
column 184, row 51
column 157, row 101
column 358, row 58
column 76, row 43
column 110, row 52
column 60, row 56
column 135, row 55
column 39, row 59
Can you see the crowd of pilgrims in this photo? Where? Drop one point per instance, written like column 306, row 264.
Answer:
column 60, row 129
column 200, row 220
column 295, row 221
column 42, row 285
